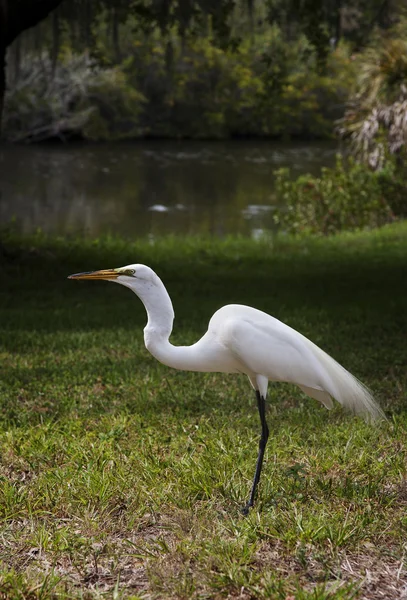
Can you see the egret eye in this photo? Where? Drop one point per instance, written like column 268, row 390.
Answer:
column 129, row 272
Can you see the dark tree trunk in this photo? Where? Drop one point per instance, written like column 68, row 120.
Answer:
column 2, row 79
column 87, row 25
column 115, row 33
column 3, row 16
column 250, row 8
column 55, row 41
column 16, row 59
column 338, row 23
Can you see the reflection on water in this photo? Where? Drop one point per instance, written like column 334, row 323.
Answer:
column 149, row 188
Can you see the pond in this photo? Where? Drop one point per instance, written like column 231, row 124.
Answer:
column 149, row 188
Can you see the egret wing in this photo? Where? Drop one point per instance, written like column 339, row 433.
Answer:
column 268, row 347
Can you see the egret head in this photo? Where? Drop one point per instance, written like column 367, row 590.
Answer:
column 138, row 278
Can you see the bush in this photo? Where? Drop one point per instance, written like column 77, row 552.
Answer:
column 375, row 122
column 346, row 197
column 78, row 99
column 308, row 103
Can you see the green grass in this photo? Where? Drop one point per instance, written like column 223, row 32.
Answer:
column 121, row 478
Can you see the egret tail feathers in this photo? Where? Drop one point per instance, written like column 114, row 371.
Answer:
column 347, row 389
column 319, row 395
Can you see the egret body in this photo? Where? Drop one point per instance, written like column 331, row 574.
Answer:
column 241, row 339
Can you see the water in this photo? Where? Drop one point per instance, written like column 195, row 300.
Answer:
column 149, row 188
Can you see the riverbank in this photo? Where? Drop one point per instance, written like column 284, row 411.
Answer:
column 119, row 473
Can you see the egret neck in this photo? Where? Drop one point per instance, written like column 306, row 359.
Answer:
column 160, row 318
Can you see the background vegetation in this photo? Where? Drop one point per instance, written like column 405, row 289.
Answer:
column 112, row 70
column 304, row 68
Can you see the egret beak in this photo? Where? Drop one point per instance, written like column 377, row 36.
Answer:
column 103, row 274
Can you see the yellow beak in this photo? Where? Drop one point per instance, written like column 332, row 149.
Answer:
column 103, row 274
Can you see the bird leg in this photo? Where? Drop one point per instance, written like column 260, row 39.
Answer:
column 261, row 405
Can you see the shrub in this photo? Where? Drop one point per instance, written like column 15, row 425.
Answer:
column 346, row 197
column 311, row 102
column 375, row 123
column 78, row 98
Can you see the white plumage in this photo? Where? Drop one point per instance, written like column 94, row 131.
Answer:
column 241, row 339
column 263, row 345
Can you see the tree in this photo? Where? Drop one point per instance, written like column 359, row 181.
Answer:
column 15, row 17
column 18, row 15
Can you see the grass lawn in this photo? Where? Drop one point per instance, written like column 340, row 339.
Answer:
column 122, row 478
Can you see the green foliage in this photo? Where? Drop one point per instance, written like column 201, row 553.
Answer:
column 115, row 107
column 209, row 92
column 311, row 102
column 375, row 123
column 265, row 89
column 207, row 69
column 348, row 196
column 78, row 98
column 192, row 89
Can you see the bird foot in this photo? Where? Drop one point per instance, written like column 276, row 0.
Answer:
column 245, row 510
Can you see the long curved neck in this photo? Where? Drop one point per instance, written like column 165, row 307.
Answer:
column 160, row 313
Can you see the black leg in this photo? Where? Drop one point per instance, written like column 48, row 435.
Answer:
column 261, row 405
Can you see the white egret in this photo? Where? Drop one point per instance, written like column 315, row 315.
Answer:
column 241, row 339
